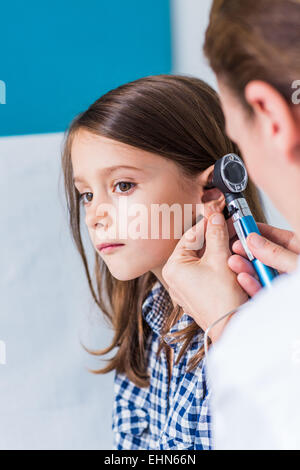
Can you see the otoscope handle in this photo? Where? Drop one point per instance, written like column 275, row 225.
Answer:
column 230, row 177
column 266, row 274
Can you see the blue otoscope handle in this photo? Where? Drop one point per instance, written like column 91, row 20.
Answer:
column 266, row 274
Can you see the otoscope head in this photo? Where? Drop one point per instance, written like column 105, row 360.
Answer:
column 229, row 174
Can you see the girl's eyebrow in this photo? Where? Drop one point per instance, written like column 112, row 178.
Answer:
column 109, row 170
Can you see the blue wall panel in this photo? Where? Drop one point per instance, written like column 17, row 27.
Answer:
column 59, row 56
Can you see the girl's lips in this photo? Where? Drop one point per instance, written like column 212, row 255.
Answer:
column 108, row 247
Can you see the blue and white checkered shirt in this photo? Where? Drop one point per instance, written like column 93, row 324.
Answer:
column 163, row 416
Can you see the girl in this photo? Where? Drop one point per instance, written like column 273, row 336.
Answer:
column 151, row 141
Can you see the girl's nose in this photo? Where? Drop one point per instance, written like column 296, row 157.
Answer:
column 100, row 215
column 94, row 221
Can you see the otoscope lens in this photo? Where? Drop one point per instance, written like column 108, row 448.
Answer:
column 234, row 173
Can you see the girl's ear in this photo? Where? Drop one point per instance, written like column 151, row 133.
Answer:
column 212, row 199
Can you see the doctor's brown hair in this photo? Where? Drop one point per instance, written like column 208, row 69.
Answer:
column 255, row 40
column 179, row 118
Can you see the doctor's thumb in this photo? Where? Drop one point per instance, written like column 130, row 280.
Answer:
column 217, row 237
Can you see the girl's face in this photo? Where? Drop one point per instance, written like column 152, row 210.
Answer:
column 112, row 177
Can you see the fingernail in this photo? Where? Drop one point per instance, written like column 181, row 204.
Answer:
column 256, row 240
column 217, row 219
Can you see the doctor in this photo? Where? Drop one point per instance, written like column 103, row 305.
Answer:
column 254, row 362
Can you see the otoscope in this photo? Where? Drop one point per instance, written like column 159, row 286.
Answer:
column 230, row 176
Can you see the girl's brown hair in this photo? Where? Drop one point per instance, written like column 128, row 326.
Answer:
column 255, row 40
column 178, row 118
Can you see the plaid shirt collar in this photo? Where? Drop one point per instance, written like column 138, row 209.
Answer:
column 155, row 309
column 173, row 412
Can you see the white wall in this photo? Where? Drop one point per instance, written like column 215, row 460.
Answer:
column 189, row 20
column 48, row 399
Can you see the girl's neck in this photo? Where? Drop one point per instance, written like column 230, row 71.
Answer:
column 158, row 273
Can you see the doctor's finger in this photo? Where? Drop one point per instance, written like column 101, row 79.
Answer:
column 239, row 264
column 251, row 285
column 282, row 237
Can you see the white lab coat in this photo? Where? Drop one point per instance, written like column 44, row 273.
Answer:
column 254, row 372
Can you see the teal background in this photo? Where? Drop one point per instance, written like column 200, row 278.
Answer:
column 58, row 57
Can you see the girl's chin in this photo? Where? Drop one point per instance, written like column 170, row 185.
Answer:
column 127, row 276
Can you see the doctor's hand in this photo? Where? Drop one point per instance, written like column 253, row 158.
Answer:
column 200, row 281
column 277, row 248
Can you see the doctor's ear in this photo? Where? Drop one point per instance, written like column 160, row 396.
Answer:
column 278, row 121
column 213, row 199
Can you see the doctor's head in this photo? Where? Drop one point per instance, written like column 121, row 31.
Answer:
column 253, row 47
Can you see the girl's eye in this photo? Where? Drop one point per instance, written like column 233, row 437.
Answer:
column 123, row 185
column 81, row 197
